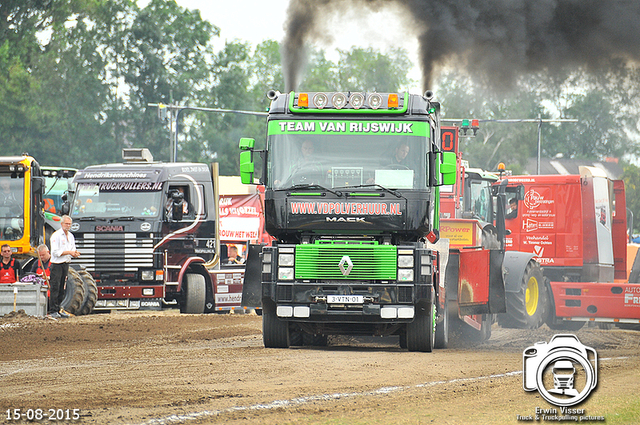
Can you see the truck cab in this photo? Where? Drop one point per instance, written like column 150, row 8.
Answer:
column 351, row 197
column 147, row 232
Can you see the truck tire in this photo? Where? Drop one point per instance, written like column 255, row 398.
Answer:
column 527, row 308
column 275, row 332
column 74, row 293
column 90, row 292
column 442, row 328
column 195, row 293
column 421, row 332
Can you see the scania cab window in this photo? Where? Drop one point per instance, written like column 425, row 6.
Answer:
column 110, row 200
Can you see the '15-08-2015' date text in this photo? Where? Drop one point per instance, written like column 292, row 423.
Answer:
column 43, row 414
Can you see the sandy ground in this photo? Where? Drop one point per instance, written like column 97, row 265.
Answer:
column 165, row 368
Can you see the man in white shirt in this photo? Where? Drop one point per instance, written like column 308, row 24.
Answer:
column 63, row 247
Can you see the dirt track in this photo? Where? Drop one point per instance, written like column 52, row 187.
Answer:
column 164, row 368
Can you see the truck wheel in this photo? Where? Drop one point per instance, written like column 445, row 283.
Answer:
column 275, row 332
column 90, row 292
column 421, row 333
column 442, row 328
column 527, row 308
column 195, row 293
column 74, row 293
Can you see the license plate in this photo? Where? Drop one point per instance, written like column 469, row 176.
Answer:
column 345, row 299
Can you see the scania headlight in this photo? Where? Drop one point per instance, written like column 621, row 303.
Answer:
column 285, row 260
column 405, row 261
column 405, row 275
column 285, row 273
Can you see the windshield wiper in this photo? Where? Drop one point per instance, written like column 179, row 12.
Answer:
column 90, row 218
column 391, row 191
column 126, row 218
column 311, row 186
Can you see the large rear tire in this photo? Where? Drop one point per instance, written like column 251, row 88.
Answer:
column 527, row 308
column 90, row 292
column 275, row 332
column 421, row 333
column 195, row 294
column 74, row 293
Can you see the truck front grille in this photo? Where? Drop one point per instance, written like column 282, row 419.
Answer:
column 115, row 252
column 368, row 261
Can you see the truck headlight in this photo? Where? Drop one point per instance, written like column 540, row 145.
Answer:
column 405, row 261
column 405, row 275
column 285, row 273
column 147, row 274
column 285, row 260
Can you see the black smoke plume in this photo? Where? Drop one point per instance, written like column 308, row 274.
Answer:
column 495, row 40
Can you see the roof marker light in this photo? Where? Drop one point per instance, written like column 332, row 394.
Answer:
column 303, row 100
column 392, row 101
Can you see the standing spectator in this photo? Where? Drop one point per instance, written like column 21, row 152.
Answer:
column 41, row 267
column 63, row 247
column 9, row 268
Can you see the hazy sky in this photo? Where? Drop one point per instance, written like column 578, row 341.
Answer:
column 255, row 21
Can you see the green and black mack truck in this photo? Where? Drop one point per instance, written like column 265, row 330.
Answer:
column 352, row 199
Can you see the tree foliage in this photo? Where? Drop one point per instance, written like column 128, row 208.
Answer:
column 76, row 78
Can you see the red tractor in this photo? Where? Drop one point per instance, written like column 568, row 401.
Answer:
column 476, row 232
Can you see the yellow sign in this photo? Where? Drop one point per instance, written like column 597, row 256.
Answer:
column 459, row 234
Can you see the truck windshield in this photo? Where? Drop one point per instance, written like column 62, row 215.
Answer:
column 332, row 161
column 11, row 208
column 98, row 200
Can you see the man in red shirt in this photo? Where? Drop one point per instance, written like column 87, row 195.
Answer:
column 9, row 268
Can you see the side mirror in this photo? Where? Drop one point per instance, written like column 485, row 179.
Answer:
column 247, row 167
column 448, row 168
column 37, row 184
column 65, row 208
column 520, row 192
column 247, row 143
